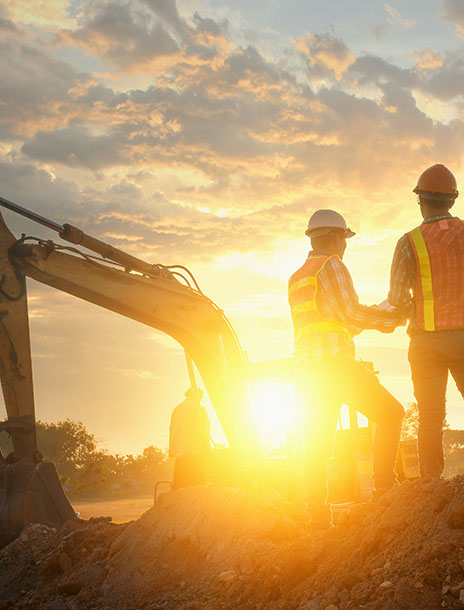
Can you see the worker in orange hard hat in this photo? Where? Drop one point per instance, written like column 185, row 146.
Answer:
column 326, row 313
column 427, row 284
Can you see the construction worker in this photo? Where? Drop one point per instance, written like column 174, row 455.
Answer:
column 427, row 284
column 326, row 313
column 189, row 440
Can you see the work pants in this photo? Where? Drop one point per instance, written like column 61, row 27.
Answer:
column 431, row 356
column 189, row 470
column 323, row 386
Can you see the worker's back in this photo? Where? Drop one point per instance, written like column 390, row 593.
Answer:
column 189, row 430
column 439, row 292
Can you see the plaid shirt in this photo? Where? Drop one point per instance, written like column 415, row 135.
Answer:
column 336, row 299
column 403, row 278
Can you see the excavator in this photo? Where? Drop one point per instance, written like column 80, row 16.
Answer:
column 166, row 298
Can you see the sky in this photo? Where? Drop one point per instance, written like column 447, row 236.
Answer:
column 205, row 133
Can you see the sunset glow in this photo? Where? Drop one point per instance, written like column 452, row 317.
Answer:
column 274, row 414
column 204, row 133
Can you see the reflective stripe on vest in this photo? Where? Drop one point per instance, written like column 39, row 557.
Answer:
column 302, row 291
column 438, row 247
column 425, row 272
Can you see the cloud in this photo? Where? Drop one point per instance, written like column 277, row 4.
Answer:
column 137, row 37
column 76, row 147
column 52, row 14
column 428, row 59
column 205, row 149
column 441, row 75
column 34, row 85
column 121, row 35
column 324, row 55
column 369, row 69
column 446, row 82
column 453, row 11
column 395, row 17
column 40, row 191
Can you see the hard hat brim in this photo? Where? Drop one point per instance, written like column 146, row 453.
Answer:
column 436, row 195
column 325, row 230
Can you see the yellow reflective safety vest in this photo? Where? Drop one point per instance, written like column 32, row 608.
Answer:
column 439, row 291
column 308, row 323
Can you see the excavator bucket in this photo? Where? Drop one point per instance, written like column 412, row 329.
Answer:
column 30, row 490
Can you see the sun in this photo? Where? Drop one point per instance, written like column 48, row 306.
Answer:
column 274, row 414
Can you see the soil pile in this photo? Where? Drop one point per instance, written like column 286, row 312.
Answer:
column 207, row 548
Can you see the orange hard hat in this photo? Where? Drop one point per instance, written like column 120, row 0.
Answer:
column 437, row 179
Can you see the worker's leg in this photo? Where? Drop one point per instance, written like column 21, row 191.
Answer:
column 320, row 408
column 456, row 357
column 429, row 376
column 363, row 391
column 181, row 476
column 320, row 426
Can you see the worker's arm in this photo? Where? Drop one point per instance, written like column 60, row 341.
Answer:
column 338, row 297
column 402, row 277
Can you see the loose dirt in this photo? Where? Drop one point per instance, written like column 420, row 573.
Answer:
column 209, row 548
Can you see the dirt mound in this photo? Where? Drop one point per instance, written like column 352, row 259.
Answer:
column 209, row 548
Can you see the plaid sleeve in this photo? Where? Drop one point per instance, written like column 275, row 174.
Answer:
column 339, row 299
column 402, row 276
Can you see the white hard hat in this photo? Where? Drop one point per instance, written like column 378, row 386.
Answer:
column 324, row 221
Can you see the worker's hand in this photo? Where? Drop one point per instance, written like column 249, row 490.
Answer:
column 386, row 306
column 397, row 319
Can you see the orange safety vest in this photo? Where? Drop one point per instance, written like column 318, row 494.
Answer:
column 439, row 291
column 308, row 323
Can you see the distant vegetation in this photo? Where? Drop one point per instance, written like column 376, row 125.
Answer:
column 87, row 471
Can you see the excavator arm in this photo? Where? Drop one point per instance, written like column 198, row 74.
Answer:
column 152, row 296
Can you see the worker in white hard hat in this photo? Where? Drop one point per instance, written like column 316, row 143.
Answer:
column 326, row 313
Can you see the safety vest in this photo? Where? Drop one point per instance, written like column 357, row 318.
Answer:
column 308, row 323
column 439, row 291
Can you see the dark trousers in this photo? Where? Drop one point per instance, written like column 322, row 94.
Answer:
column 323, row 387
column 431, row 356
column 189, row 470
